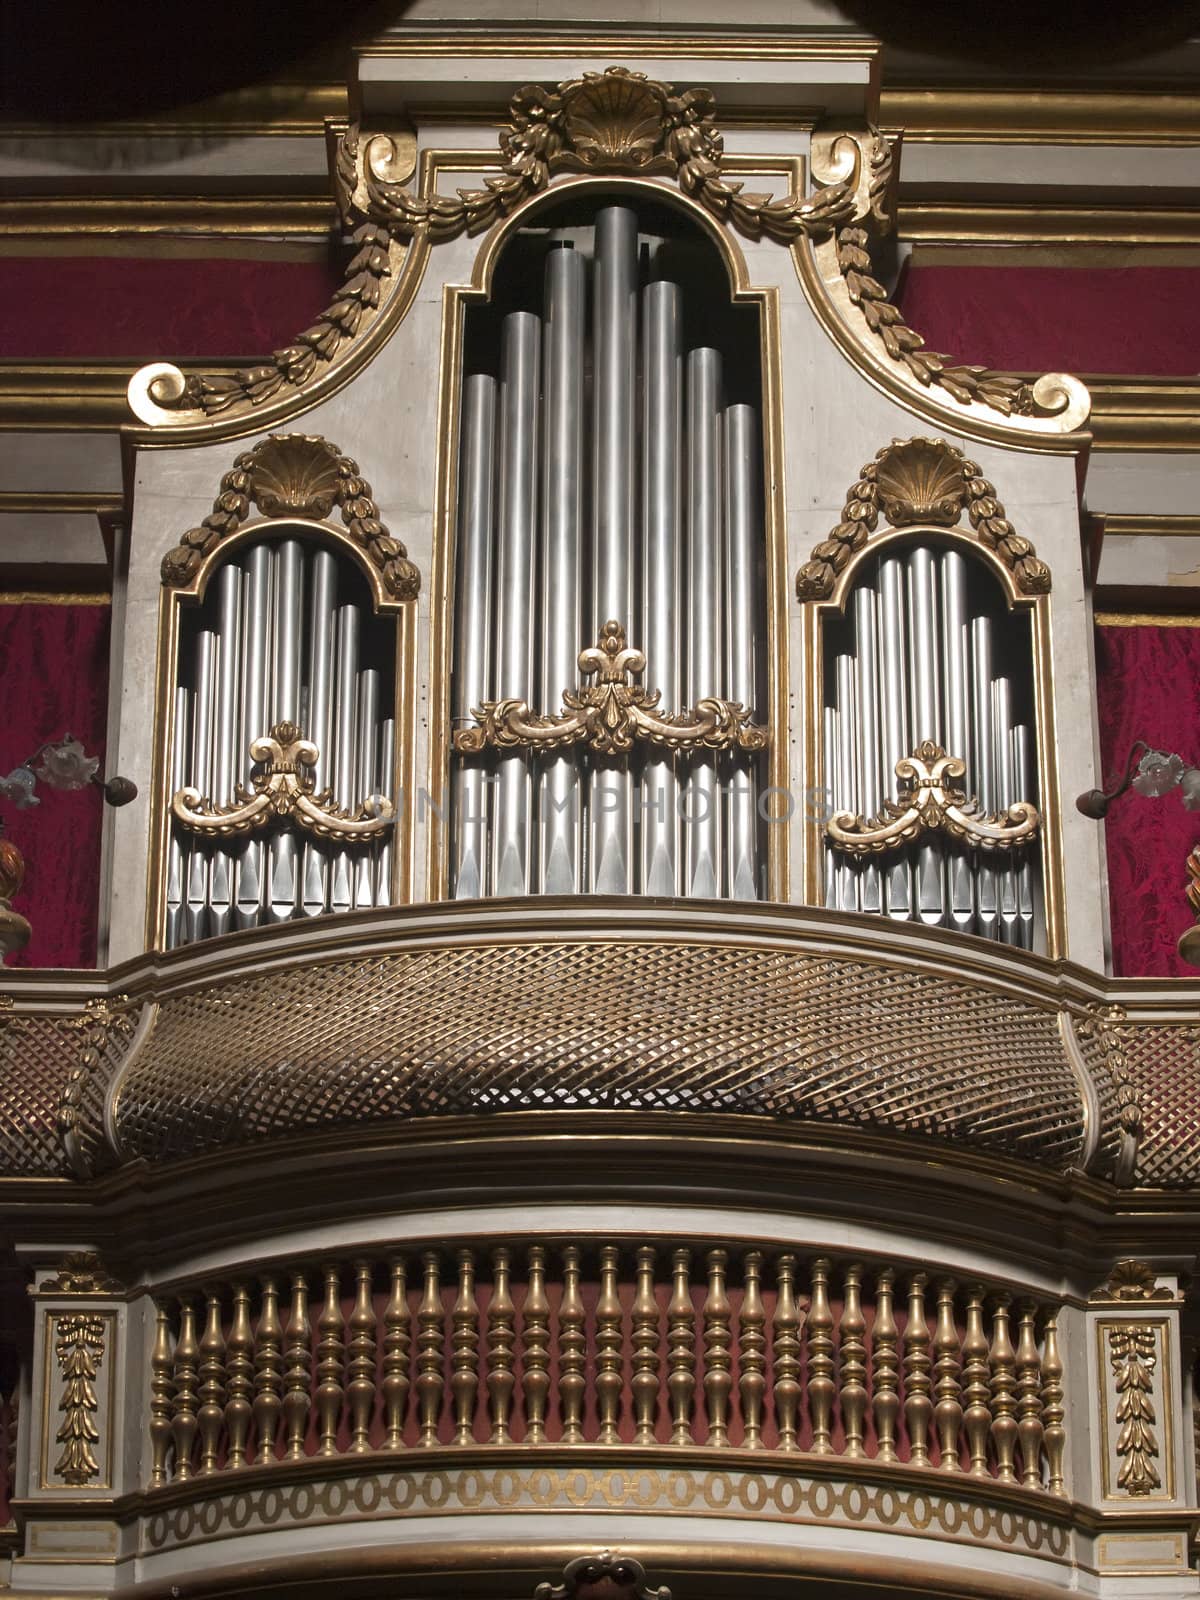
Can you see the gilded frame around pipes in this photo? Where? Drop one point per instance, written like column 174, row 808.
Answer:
column 171, row 598
column 455, row 300
column 812, row 617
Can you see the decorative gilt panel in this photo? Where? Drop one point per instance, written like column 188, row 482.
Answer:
column 79, row 1385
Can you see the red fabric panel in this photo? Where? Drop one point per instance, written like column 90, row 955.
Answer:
column 72, row 307
column 1059, row 319
column 1147, row 684
column 54, row 669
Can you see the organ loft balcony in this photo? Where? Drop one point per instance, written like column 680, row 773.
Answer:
column 605, row 1072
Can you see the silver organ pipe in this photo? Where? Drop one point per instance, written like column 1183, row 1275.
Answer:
column 515, row 588
column 471, row 680
column 929, row 651
column 559, row 810
column 633, row 524
column 662, row 421
column 259, row 654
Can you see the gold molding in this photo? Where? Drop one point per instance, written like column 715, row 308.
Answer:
column 1145, row 413
column 1041, row 116
column 275, row 108
column 1151, row 525
column 202, row 217
column 931, row 219
column 80, row 396
column 707, row 44
column 1146, row 619
column 57, row 502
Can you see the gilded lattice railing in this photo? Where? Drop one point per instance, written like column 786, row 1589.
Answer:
column 598, row 1343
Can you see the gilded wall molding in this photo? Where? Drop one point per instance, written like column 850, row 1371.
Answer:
column 920, row 482
column 295, row 475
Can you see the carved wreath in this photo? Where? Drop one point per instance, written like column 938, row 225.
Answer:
column 296, row 475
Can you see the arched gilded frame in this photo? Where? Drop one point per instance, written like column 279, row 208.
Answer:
column 457, row 298
column 916, row 493
column 298, row 484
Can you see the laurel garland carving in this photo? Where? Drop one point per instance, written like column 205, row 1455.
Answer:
column 613, row 121
column 920, row 481
column 283, row 787
column 79, row 1348
column 1133, row 1358
column 296, row 475
column 613, row 714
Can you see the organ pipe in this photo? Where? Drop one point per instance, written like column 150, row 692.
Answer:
column 704, row 610
column 272, row 644
column 742, row 520
column 929, row 652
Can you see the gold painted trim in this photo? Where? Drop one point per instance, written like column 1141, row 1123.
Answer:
column 1046, row 116
column 36, row 597
column 1163, row 1324
column 1015, row 221
column 1164, row 526
column 200, row 217
column 1145, row 413
column 56, row 502
column 1146, row 619
column 45, row 396
column 455, row 300
column 484, row 41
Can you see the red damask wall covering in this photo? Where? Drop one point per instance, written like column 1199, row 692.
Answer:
column 54, row 672
column 1149, row 688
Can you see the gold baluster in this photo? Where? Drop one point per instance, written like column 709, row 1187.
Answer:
column 820, row 1359
column 1029, row 1399
column 239, row 1356
column 571, row 1350
column 268, row 1372
column 885, row 1367
column 1004, row 1422
column 718, row 1353
column 1053, row 1411
column 297, row 1395
column 852, row 1356
column 977, row 1417
column 331, row 1355
column 609, row 1376
column 211, row 1414
column 430, row 1382
column 161, row 1367
column 535, row 1333
column 184, row 1383
column 644, row 1323
column 752, row 1346
column 464, row 1359
column 918, row 1408
column 396, row 1339
column 948, row 1412
column 786, row 1330
column 360, row 1359
column 502, row 1339
column 681, row 1348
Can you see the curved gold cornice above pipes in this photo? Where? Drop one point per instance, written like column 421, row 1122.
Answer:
column 622, row 123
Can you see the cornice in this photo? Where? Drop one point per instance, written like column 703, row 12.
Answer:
column 55, row 217
column 255, row 111
column 1056, row 221
column 1036, row 116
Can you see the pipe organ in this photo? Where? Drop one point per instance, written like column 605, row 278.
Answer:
column 285, row 638
column 927, row 653
column 607, row 476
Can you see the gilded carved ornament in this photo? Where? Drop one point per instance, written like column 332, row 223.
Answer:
column 920, row 482
column 82, row 1272
column 616, row 1577
column 79, row 1348
column 1108, row 1025
column 296, row 475
column 1133, row 1357
column 613, row 714
column 101, row 1019
column 932, row 801
column 1131, row 1280
column 283, row 788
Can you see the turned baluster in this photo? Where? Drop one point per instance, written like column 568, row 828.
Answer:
column 430, row 1382
column 885, row 1363
column 239, row 1368
column 464, row 1358
column 502, row 1339
column 785, row 1330
column 185, row 1379
column 609, row 1376
column 1053, row 1410
column 331, row 1355
column 948, row 1412
column 535, row 1335
column 1030, row 1428
column 977, row 1415
column 396, row 1340
column 820, row 1359
column 718, row 1351
column 161, row 1367
column 752, row 1346
column 297, row 1394
column 571, row 1350
column 211, row 1414
column 268, row 1372
column 360, row 1359
column 918, row 1408
column 644, row 1322
column 1003, row 1365
column 681, row 1348
column 852, row 1359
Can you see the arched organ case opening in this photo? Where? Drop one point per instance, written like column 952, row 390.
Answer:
column 927, row 651
column 610, row 470
column 285, row 635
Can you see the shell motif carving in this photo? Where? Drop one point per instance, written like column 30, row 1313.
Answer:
column 294, row 475
column 920, row 480
column 614, row 121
